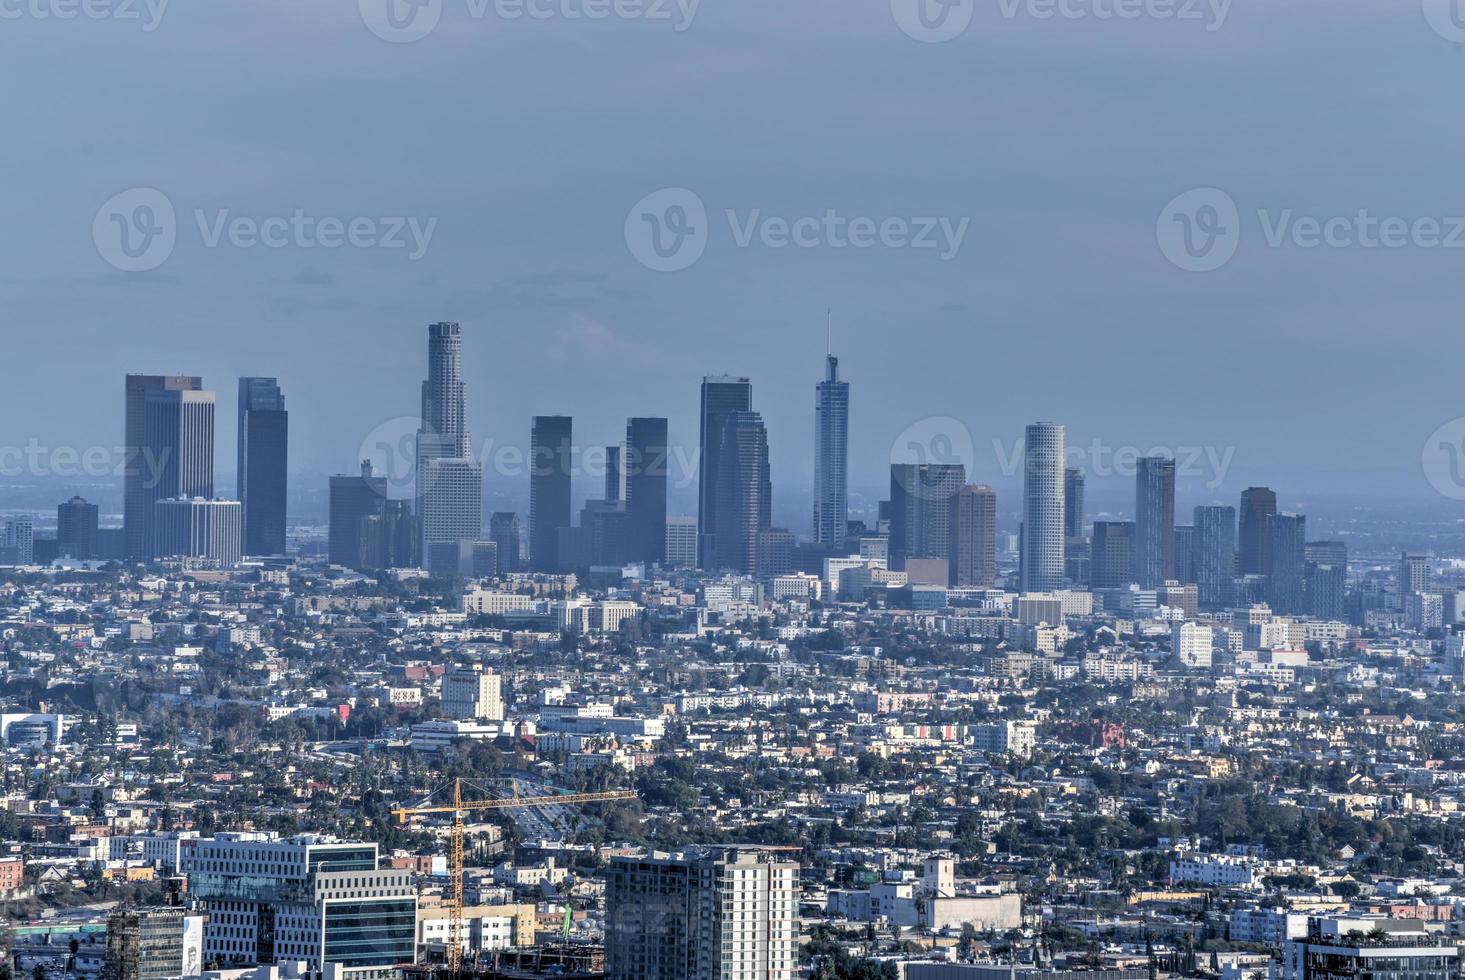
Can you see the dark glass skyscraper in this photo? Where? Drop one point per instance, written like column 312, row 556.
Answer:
column 831, row 456
column 1073, row 487
column 722, row 396
column 354, row 499
column 1154, row 521
column 1112, row 561
column 264, row 450
column 503, row 530
column 744, row 497
column 139, row 465
column 646, row 466
column 1258, row 504
column 76, row 529
column 551, row 448
column 920, row 509
column 1287, row 585
column 1214, row 549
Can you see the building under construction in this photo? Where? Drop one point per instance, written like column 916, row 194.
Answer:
column 564, row 961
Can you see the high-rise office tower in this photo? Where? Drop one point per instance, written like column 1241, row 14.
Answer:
column 353, row 499
column 1413, row 574
column 551, row 448
column 1287, row 585
column 192, row 527
column 140, row 465
column 264, row 451
column 1112, row 554
column 178, row 433
column 1073, row 491
column 831, row 456
column 1041, row 561
column 1258, row 504
column 1327, row 590
column 721, row 397
column 681, row 541
column 713, row 914
column 503, row 530
column 449, row 479
column 646, row 466
column 1154, row 521
column 1333, row 553
column 614, row 473
column 744, row 498
column 1184, row 553
column 76, row 529
column 1214, row 551
column 391, row 538
column 973, row 550
column 920, row 509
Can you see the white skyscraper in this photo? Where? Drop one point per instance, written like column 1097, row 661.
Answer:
column 449, row 479
column 1042, row 508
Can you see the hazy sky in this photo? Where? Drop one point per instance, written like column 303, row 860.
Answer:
column 1053, row 144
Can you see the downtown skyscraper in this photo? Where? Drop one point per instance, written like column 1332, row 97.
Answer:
column 722, row 396
column 1287, row 572
column 178, row 434
column 973, row 550
column 744, row 493
column 1215, row 556
column 1041, row 561
column 551, row 447
column 645, row 465
column 263, row 454
column 140, row 463
column 921, row 510
column 1154, row 521
column 831, row 456
column 1258, row 506
column 449, row 478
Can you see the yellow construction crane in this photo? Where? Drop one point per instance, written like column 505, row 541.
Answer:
column 460, row 806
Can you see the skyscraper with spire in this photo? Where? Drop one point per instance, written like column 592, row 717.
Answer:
column 831, row 453
column 449, row 479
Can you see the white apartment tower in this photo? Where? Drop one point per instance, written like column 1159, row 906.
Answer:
column 715, row 914
column 473, row 694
